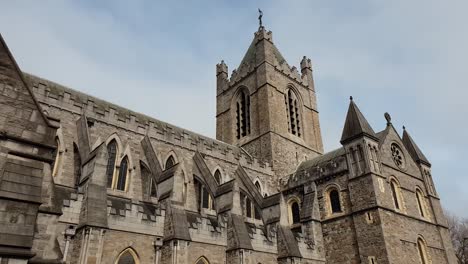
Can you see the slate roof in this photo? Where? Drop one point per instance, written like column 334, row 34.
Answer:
column 250, row 57
column 321, row 159
column 356, row 125
column 413, row 149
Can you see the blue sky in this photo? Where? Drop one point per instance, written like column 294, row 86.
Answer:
column 407, row 58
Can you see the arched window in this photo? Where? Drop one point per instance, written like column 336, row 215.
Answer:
column 128, row 256
column 294, row 211
column 205, row 201
column 421, row 204
column 293, row 113
column 422, row 250
column 243, row 114
column 217, row 176
column 169, row 162
column 111, row 157
column 122, row 179
column 58, row 158
column 396, row 194
column 249, row 208
column 149, row 184
column 257, row 184
column 202, row 260
column 335, row 201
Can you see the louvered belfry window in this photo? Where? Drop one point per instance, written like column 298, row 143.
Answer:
column 293, row 113
column 242, row 115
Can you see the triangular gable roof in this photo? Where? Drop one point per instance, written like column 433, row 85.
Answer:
column 4, row 50
column 413, row 149
column 356, row 125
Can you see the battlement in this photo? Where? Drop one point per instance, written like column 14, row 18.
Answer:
column 55, row 95
column 245, row 69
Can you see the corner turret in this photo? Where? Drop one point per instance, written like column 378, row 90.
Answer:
column 360, row 141
column 222, row 80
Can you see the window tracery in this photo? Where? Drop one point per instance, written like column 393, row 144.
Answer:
column 397, row 156
column 111, row 159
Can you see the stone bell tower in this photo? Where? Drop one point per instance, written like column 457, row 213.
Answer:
column 269, row 108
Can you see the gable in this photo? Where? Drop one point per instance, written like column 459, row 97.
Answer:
column 21, row 115
column 389, row 137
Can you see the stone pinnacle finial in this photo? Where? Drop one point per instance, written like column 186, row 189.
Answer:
column 351, row 98
column 306, row 63
column 388, row 118
column 404, row 128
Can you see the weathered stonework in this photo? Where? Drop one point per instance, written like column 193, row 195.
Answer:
column 86, row 181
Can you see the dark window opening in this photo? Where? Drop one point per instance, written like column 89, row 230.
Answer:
column 243, row 115
column 122, row 179
column 295, row 212
column 111, row 155
column 217, row 176
column 169, row 162
column 257, row 214
column 248, row 207
column 335, row 201
column 293, row 113
column 395, row 195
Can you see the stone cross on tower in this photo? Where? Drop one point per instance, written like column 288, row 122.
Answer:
column 260, row 15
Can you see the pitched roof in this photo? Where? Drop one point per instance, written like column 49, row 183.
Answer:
column 321, row 159
column 356, row 125
column 413, row 149
column 259, row 52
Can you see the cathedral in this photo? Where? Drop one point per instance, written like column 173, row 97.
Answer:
column 85, row 181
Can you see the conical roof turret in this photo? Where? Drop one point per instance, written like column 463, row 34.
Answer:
column 356, row 125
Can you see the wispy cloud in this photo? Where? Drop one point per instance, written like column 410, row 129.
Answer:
column 158, row 58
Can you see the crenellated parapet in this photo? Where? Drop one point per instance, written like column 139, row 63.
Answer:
column 53, row 95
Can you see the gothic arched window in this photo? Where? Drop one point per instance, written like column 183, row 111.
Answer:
column 169, row 162
column 58, row 158
column 111, row 157
column 149, row 183
column 294, row 211
column 250, row 210
column 202, row 260
column 204, row 198
column 293, row 113
column 422, row 250
column 242, row 114
column 334, row 199
column 122, row 178
column 128, row 256
column 217, row 176
column 396, row 194
column 421, row 205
